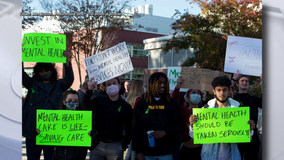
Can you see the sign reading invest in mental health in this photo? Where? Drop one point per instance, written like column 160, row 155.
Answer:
column 64, row 128
column 109, row 63
column 199, row 78
column 43, row 47
column 221, row 125
column 243, row 54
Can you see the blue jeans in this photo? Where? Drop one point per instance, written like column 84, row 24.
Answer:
column 34, row 151
column 165, row 157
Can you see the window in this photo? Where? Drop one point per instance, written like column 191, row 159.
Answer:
column 136, row 74
column 137, row 51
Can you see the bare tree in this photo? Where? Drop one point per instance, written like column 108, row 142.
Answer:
column 84, row 21
column 27, row 19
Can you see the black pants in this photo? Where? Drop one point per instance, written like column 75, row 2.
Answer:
column 186, row 153
column 34, row 151
column 250, row 150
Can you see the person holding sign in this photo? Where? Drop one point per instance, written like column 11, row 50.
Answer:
column 193, row 97
column 70, row 102
column 45, row 91
column 113, row 114
column 249, row 150
column 157, row 121
column 220, row 151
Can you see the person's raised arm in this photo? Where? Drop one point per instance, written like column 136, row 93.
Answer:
column 235, row 78
column 26, row 79
column 69, row 75
column 91, row 87
column 175, row 93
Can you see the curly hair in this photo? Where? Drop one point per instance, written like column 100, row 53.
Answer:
column 153, row 87
column 39, row 67
column 221, row 81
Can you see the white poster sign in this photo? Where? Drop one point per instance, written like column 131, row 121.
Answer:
column 109, row 63
column 173, row 74
column 245, row 55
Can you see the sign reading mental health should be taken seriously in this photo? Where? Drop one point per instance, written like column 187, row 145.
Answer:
column 221, row 125
column 173, row 74
column 64, row 128
column 109, row 63
column 243, row 54
column 43, row 47
column 199, row 78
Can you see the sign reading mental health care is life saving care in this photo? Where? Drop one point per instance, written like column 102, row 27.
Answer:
column 221, row 125
column 64, row 128
column 109, row 63
column 244, row 54
column 43, row 47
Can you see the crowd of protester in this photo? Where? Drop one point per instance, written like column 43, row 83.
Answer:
column 123, row 115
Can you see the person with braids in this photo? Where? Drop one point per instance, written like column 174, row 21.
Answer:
column 45, row 91
column 156, row 111
column 71, row 102
column 220, row 151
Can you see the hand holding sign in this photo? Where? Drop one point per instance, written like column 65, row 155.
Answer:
column 252, row 125
column 236, row 75
column 193, row 119
column 92, row 85
column 180, row 81
column 68, row 56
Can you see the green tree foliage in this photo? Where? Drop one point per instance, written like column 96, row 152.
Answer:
column 207, row 32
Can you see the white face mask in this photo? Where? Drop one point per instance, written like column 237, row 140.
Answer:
column 112, row 90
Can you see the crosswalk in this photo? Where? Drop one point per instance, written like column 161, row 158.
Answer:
column 24, row 153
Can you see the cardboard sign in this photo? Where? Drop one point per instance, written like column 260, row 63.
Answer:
column 64, row 128
column 148, row 72
column 173, row 74
column 221, row 125
column 43, row 47
column 245, row 55
column 109, row 63
column 199, row 78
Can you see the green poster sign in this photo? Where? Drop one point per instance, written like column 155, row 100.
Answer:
column 221, row 125
column 43, row 47
column 64, row 128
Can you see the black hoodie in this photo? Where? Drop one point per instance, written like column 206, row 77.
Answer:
column 161, row 116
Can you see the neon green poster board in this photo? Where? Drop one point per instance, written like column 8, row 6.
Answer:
column 43, row 47
column 221, row 125
column 64, row 128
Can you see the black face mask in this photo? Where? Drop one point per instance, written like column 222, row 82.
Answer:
column 46, row 76
column 223, row 100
